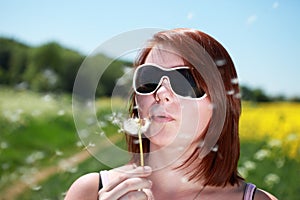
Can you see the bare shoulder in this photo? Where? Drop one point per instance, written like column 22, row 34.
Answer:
column 263, row 195
column 85, row 187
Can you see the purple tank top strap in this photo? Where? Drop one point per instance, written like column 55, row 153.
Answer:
column 249, row 191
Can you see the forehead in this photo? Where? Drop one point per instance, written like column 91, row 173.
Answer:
column 164, row 58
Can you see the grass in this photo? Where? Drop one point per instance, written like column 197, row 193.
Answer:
column 38, row 130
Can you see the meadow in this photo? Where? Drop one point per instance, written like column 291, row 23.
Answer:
column 41, row 153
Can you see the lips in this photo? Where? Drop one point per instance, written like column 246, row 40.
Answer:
column 161, row 118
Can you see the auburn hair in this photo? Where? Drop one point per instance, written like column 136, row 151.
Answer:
column 217, row 168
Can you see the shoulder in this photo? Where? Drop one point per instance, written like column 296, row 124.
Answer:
column 263, row 195
column 85, row 187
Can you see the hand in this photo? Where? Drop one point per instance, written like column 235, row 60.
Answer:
column 128, row 184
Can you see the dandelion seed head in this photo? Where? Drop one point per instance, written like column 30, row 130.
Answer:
column 134, row 125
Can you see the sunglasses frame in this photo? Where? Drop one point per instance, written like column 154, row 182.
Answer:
column 161, row 80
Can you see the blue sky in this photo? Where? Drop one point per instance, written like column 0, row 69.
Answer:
column 261, row 36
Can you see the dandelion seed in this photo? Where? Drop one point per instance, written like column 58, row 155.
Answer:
column 234, row 80
column 120, row 130
column 32, row 158
column 79, row 144
column 101, row 133
column 237, row 95
column 220, row 62
column 136, row 141
column 72, row 170
column 91, row 145
column 36, row 187
column 184, row 179
column 215, row 148
column 230, row 92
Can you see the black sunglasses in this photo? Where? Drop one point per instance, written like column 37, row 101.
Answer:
column 148, row 77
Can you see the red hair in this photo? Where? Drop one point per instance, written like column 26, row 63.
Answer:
column 217, row 168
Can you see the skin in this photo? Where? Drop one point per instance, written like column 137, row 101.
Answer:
column 167, row 135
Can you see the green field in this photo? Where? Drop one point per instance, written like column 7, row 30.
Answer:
column 38, row 135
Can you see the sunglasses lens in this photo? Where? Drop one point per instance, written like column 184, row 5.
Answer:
column 184, row 84
column 147, row 79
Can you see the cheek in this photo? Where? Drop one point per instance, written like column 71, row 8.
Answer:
column 143, row 103
column 205, row 114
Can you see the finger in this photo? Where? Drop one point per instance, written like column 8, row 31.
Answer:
column 137, row 172
column 129, row 185
column 136, row 195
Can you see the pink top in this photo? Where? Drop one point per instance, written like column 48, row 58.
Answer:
column 249, row 191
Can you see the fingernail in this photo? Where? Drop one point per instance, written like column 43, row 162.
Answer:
column 147, row 169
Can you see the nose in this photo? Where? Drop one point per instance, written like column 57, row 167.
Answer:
column 164, row 93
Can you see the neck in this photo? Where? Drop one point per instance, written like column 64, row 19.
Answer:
column 169, row 181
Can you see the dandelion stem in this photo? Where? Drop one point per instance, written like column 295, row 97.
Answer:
column 140, row 143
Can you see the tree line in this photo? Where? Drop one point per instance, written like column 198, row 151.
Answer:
column 53, row 68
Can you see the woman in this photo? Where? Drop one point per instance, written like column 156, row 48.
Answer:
column 186, row 85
